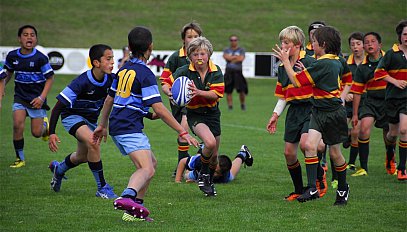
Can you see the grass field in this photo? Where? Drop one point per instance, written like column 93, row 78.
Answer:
column 253, row 202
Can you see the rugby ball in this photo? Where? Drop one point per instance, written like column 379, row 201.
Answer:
column 180, row 91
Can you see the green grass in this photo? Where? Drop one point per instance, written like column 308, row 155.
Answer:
column 253, row 202
column 80, row 24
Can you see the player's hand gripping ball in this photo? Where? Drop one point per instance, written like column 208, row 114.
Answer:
column 180, row 91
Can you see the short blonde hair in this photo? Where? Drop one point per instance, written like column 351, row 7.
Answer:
column 293, row 34
column 200, row 43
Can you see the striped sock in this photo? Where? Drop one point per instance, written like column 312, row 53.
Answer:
column 363, row 152
column 341, row 170
column 402, row 154
column 296, row 176
column 183, row 148
column 354, row 150
column 311, row 164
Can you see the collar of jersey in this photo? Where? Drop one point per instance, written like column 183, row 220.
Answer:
column 28, row 55
column 92, row 79
column 137, row 61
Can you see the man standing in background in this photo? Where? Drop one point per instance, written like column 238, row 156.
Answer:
column 234, row 79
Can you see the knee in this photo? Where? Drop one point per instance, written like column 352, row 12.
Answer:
column 311, row 148
column 36, row 134
column 210, row 144
column 150, row 172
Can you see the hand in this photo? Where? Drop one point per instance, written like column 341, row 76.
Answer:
column 194, row 90
column 283, row 55
column 99, row 134
column 53, row 142
column 349, row 97
column 37, row 102
column 401, row 84
column 272, row 125
column 299, row 65
column 354, row 121
column 190, row 139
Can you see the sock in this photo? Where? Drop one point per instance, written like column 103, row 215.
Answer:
column 19, row 148
column 402, row 154
column 354, row 150
column 363, row 152
column 205, row 164
column 65, row 165
column 334, row 172
column 97, row 171
column 311, row 166
column 241, row 155
column 129, row 193
column 296, row 176
column 183, row 148
column 341, row 170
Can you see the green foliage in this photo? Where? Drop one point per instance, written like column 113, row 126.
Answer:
column 253, row 202
column 80, row 24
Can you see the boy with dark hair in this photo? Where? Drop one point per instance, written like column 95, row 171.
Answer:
column 179, row 58
column 372, row 111
column 357, row 56
column 133, row 91
column 311, row 28
column 79, row 105
column 328, row 118
column 33, row 80
column 225, row 172
column 299, row 111
column 392, row 69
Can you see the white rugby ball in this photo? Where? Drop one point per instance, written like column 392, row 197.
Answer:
column 180, row 91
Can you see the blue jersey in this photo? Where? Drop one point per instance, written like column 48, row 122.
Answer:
column 134, row 90
column 85, row 96
column 30, row 73
column 194, row 164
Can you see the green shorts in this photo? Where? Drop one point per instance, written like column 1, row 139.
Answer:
column 374, row 107
column 297, row 122
column 331, row 124
column 211, row 118
column 178, row 112
column 395, row 107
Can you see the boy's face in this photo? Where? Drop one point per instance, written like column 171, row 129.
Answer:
column 286, row 44
column 356, row 46
column 28, row 39
column 106, row 62
column 190, row 34
column 372, row 45
column 404, row 37
column 199, row 57
column 318, row 50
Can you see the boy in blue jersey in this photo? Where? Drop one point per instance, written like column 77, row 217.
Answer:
column 328, row 117
column 133, row 91
column 79, row 105
column 225, row 171
column 33, row 80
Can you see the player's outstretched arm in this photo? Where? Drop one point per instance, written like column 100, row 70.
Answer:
column 167, row 117
column 180, row 170
column 100, row 133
